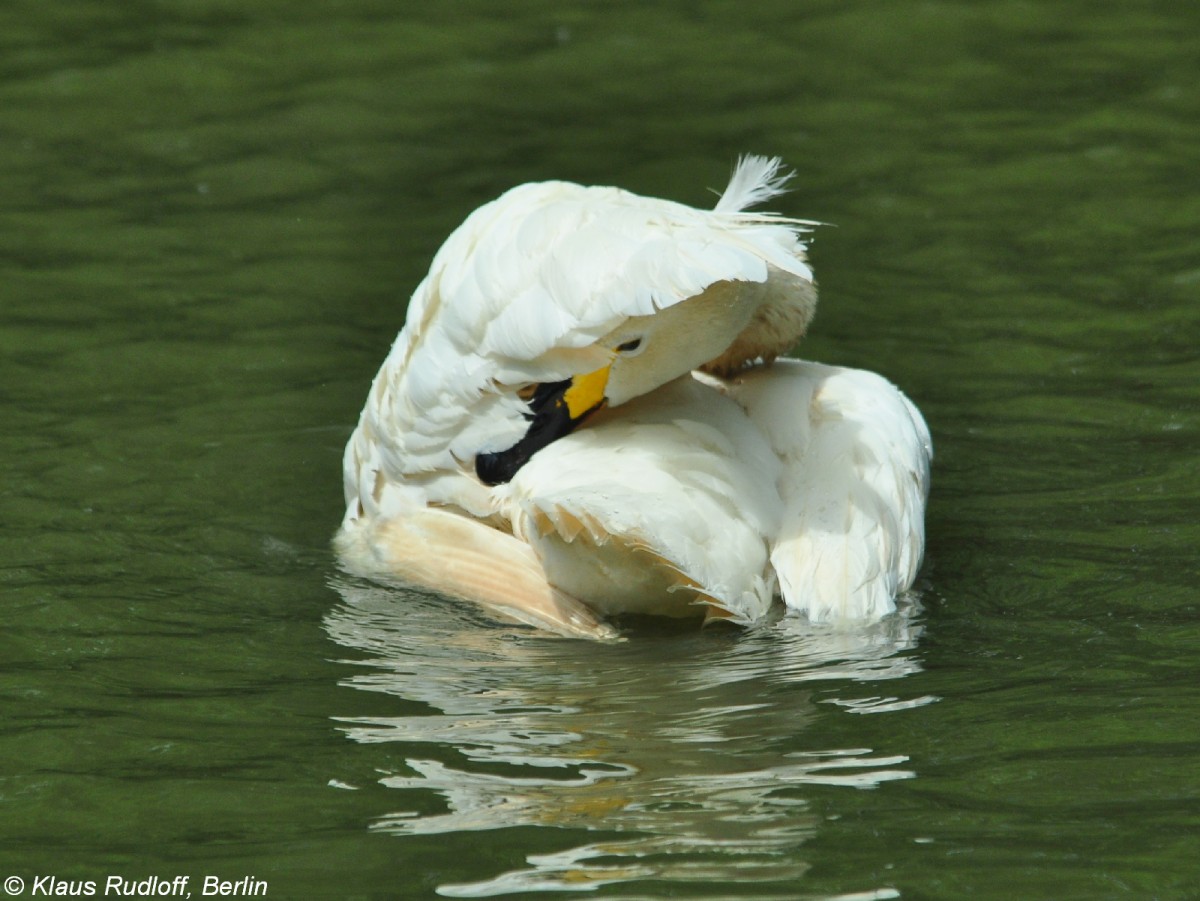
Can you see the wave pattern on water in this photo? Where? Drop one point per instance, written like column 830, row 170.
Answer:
column 688, row 753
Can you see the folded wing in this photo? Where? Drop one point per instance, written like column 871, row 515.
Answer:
column 856, row 456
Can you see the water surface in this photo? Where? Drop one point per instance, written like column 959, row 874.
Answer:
column 213, row 214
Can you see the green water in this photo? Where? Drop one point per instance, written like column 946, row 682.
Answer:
column 212, row 214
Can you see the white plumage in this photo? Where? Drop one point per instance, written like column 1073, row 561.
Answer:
column 537, row 440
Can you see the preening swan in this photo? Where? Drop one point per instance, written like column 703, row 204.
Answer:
column 585, row 415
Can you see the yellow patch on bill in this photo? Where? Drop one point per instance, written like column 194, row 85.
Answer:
column 586, row 392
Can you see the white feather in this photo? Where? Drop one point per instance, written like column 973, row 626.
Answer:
column 755, row 180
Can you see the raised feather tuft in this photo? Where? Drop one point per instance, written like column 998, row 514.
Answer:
column 756, row 179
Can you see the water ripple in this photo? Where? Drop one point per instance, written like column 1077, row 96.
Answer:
column 685, row 752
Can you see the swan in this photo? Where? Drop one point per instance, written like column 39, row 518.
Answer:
column 587, row 414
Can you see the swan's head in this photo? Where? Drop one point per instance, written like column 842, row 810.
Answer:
column 644, row 353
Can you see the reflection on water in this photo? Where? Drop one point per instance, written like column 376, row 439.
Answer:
column 688, row 751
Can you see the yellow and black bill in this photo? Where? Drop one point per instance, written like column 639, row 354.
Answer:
column 556, row 408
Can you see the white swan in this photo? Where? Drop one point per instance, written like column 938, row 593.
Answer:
column 537, row 439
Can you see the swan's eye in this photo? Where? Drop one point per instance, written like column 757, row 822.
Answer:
column 526, row 392
column 629, row 346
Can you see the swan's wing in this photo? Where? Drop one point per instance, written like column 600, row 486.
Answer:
column 467, row 559
column 857, row 455
column 677, row 480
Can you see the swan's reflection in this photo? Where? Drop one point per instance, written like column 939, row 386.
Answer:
column 684, row 748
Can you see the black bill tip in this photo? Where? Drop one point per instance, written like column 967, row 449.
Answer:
column 550, row 420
